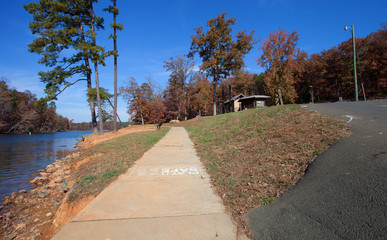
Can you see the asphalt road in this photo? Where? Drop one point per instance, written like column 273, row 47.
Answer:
column 343, row 194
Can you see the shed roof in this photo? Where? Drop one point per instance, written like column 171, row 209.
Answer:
column 256, row 97
column 235, row 98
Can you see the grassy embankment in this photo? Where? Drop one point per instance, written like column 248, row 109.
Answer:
column 255, row 155
column 108, row 160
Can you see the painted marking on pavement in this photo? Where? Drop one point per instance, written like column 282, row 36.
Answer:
column 179, row 171
column 350, row 118
column 304, row 106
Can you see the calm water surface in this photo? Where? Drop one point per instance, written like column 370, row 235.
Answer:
column 21, row 155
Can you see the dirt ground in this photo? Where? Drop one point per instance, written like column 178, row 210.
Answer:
column 93, row 139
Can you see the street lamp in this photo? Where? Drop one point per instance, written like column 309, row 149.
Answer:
column 354, row 58
column 311, row 93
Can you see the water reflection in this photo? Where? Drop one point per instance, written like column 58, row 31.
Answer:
column 22, row 155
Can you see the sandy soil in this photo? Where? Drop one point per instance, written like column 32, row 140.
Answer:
column 93, row 139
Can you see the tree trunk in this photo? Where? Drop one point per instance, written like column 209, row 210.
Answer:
column 118, row 117
column 223, row 109
column 115, row 72
column 92, row 106
column 98, row 99
column 96, row 74
column 88, row 77
column 185, row 104
column 214, row 97
column 229, row 98
column 142, row 118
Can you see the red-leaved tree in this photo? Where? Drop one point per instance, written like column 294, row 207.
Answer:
column 279, row 54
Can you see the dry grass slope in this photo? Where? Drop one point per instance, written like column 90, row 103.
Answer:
column 255, row 155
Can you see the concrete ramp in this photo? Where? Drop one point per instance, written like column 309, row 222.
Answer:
column 165, row 195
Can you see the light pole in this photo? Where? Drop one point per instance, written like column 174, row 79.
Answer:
column 354, row 59
column 311, row 93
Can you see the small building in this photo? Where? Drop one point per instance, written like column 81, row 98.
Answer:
column 235, row 104
column 253, row 101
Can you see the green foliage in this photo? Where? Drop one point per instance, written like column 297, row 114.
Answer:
column 103, row 93
column 318, row 152
column 62, row 27
column 111, row 174
column 118, row 26
column 266, row 201
column 88, row 179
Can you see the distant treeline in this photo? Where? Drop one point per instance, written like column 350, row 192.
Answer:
column 22, row 112
column 330, row 73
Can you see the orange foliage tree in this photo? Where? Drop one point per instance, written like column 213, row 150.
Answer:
column 220, row 54
column 200, row 95
column 279, row 59
column 143, row 104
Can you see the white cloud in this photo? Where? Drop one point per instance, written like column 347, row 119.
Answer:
column 196, row 68
column 23, row 80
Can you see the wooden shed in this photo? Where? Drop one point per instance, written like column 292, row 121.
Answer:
column 235, row 104
column 253, row 101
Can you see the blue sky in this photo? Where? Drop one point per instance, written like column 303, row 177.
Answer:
column 154, row 31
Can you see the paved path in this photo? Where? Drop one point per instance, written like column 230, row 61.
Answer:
column 344, row 192
column 165, row 195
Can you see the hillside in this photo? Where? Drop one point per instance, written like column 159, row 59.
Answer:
column 255, row 155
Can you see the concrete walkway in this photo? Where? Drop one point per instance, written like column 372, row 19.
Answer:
column 165, row 195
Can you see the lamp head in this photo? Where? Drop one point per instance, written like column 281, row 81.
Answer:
column 345, row 28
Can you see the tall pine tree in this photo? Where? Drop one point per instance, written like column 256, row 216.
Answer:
column 116, row 26
column 65, row 42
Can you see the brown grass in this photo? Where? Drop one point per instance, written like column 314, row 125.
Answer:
column 255, row 155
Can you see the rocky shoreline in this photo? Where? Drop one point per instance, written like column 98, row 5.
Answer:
column 40, row 212
column 34, row 214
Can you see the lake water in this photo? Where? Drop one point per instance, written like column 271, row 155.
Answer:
column 21, row 155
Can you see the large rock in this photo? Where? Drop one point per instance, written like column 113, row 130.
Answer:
column 50, row 168
column 42, row 194
column 45, row 174
column 58, row 180
column 38, row 181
